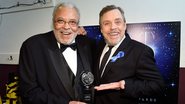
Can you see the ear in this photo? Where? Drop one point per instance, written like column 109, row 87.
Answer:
column 100, row 29
column 125, row 26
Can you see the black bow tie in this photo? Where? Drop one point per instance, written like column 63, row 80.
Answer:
column 72, row 46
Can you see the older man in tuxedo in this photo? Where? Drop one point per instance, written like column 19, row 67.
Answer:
column 51, row 63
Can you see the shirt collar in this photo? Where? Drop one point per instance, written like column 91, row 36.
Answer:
column 59, row 43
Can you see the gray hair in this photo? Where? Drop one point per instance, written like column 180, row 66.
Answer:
column 109, row 8
column 65, row 4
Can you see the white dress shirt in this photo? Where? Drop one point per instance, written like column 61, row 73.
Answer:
column 70, row 56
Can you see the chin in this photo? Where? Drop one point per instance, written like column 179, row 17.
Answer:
column 112, row 43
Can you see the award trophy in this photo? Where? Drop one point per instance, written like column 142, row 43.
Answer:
column 87, row 79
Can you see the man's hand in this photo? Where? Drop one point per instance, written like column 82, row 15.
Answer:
column 110, row 86
column 76, row 102
column 81, row 31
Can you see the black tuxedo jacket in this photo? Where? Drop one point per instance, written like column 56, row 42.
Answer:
column 43, row 77
column 136, row 66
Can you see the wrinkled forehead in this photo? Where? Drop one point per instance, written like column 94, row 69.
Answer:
column 67, row 13
column 111, row 15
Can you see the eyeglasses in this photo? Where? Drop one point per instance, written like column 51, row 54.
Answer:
column 117, row 22
column 71, row 23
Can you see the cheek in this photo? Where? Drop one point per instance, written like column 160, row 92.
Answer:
column 104, row 30
column 57, row 27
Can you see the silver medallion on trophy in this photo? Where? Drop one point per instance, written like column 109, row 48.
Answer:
column 87, row 79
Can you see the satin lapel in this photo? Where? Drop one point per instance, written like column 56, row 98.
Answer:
column 83, row 53
column 122, row 47
column 58, row 64
column 98, row 71
column 100, row 50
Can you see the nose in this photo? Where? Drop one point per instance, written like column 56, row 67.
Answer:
column 66, row 25
column 113, row 26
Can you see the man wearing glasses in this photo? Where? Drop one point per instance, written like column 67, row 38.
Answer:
column 51, row 63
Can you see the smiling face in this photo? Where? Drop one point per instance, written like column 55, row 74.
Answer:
column 65, row 22
column 113, row 26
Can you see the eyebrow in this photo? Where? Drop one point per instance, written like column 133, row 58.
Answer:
column 65, row 20
column 109, row 20
column 118, row 19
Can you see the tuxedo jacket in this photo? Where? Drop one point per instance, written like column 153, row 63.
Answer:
column 133, row 62
column 43, row 76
